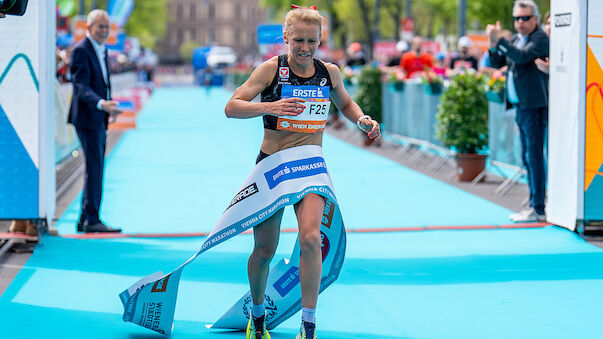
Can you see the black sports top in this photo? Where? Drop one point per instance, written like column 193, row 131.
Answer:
column 315, row 90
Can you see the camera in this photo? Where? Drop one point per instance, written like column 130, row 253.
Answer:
column 13, row 7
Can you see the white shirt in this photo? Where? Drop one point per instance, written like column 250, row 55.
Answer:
column 100, row 54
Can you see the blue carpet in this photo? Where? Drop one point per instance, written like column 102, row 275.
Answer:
column 177, row 171
column 529, row 283
column 181, row 167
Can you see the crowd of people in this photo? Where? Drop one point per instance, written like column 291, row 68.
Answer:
column 521, row 57
column 140, row 60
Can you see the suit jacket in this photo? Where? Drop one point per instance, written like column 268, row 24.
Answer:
column 531, row 84
column 88, row 88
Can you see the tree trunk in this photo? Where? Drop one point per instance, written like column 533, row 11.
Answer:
column 367, row 23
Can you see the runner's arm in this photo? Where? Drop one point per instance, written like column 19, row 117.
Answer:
column 347, row 106
column 240, row 105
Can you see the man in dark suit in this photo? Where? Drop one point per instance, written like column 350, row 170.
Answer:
column 89, row 113
column 527, row 92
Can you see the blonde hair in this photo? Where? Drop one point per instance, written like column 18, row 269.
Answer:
column 305, row 15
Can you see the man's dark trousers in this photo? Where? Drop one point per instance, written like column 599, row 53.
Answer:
column 93, row 143
column 532, row 125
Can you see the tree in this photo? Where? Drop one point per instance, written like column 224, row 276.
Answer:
column 186, row 51
column 482, row 13
column 148, row 22
column 354, row 20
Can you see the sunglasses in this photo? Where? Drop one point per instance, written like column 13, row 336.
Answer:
column 523, row 18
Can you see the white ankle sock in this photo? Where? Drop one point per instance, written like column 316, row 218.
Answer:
column 309, row 315
column 258, row 310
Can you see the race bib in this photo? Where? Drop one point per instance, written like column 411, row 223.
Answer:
column 314, row 117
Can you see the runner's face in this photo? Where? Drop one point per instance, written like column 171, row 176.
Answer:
column 303, row 40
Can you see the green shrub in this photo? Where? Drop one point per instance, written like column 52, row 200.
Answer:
column 239, row 78
column 462, row 119
column 368, row 95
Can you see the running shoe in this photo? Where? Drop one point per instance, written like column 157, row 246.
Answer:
column 307, row 331
column 256, row 328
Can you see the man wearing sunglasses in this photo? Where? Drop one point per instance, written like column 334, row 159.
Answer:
column 527, row 92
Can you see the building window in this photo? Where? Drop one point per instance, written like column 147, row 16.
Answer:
column 201, row 36
column 179, row 36
column 179, row 11
column 237, row 11
column 193, row 34
column 211, row 35
column 193, row 13
column 237, row 37
column 211, row 12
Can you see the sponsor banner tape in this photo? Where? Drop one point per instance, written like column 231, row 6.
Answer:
column 151, row 301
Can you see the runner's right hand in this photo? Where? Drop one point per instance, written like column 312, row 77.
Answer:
column 285, row 107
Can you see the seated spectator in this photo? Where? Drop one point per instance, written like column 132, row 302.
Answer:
column 414, row 63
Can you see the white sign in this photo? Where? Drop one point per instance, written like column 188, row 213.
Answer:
column 27, row 71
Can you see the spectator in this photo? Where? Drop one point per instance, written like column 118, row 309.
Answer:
column 91, row 106
column 355, row 55
column 401, row 48
column 463, row 60
column 543, row 64
column 484, row 62
column 527, row 92
column 440, row 68
column 23, row 226
column 414, row 63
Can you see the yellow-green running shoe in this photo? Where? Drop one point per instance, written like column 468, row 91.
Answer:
column 256, row 328
column 307, row 331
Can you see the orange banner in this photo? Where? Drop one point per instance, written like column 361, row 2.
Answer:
column 300, row 126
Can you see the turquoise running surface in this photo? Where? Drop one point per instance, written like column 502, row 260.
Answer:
column 526, row 283
column 185, row 161
column 181, row 167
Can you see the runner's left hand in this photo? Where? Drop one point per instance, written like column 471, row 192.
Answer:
column 371, row 127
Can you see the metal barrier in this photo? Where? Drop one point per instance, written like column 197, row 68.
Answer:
column 410, row 112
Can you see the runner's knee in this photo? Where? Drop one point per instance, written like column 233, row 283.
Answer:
column 310, row 242
column 263, row 254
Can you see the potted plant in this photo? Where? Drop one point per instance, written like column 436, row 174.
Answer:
column 462, row 123
column 396, row 81
column 433, row 83
column 495, row 88
column 348, row 76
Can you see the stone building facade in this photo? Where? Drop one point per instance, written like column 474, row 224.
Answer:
column 212, row 22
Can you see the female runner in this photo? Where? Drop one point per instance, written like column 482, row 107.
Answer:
column 281, row 82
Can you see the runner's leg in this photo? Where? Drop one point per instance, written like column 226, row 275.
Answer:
column 309, row 215
column 266, row 237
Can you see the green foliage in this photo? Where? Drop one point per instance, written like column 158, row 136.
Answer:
column 462, row 119
column 431, row 16
column 239, row 78
column 186, row 51
column 368, row 96
column 485, row 12
column 148, row 21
